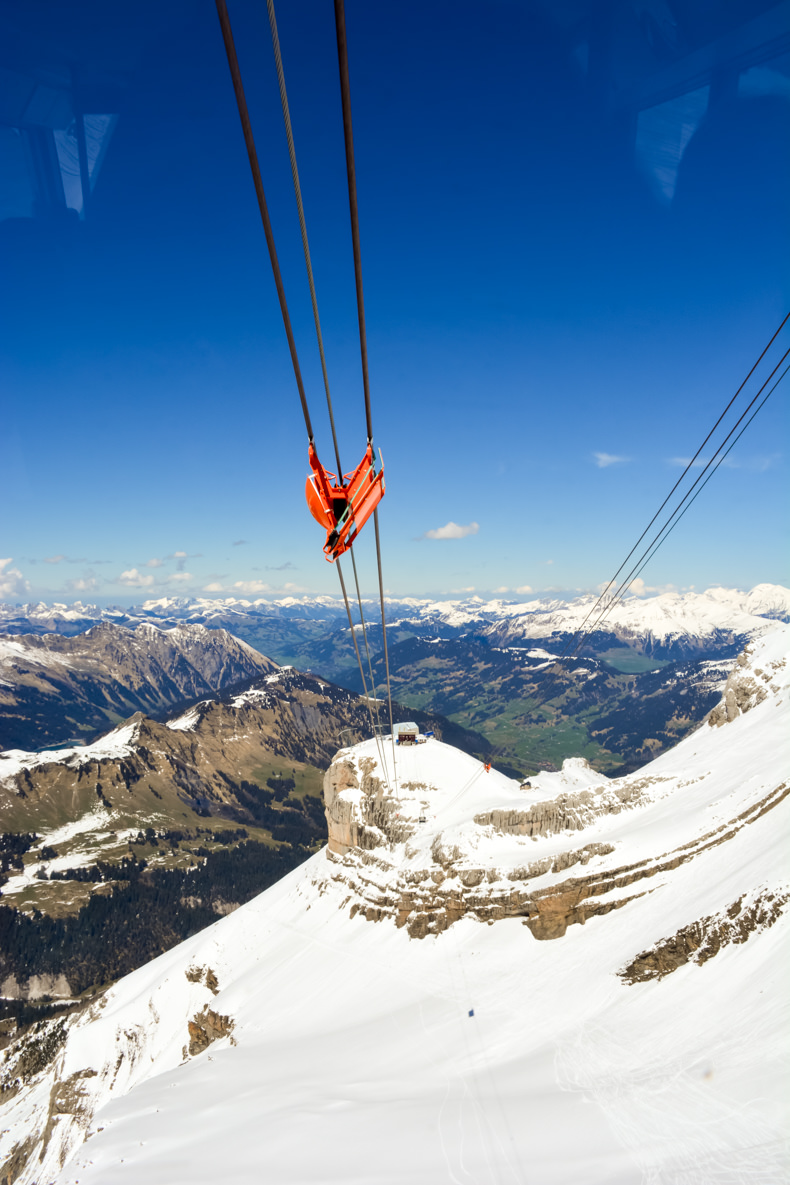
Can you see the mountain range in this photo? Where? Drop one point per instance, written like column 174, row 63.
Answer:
column 670, row 625
column 642, row 681
column 578, row 979
column 55, row 689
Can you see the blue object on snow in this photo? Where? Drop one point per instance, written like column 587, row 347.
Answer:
column 471, row 1011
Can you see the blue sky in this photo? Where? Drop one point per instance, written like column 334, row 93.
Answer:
column 552, row 323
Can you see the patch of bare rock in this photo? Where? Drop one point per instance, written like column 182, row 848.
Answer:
column 703, row 939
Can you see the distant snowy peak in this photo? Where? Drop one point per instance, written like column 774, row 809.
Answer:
column 764, row 600
column 207, row 650
column 669, row 625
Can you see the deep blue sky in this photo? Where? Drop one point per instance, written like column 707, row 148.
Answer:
column 533, row 299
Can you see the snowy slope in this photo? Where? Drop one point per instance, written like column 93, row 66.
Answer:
column 648, row 1044
column 688, row 620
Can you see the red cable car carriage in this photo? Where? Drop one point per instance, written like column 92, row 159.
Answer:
column 343, row 507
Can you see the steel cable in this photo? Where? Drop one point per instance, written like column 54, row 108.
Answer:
column 316, row 318
column 603, row 607
column 683, row 474
column 348, row 136
column 351, row 174
column 655, row 546
column 249, row 140
column 241, row 102
column 361, row 671
column 386, row 652
column 629, row 579
column 278, row 61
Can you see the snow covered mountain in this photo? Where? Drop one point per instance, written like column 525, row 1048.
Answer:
column 573, row 981
column 671, row 625
column 243, row 764
column 54, row 689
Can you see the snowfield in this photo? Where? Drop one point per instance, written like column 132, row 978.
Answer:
column 313, row 1037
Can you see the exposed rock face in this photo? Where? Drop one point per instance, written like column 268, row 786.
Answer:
column 36, row 988
column 205, row 1028
column 746, row 687
column 428, row 900
column 359, row 813
column 568, row 812
column 203, row 975
column 424, row 854
column 702, row 940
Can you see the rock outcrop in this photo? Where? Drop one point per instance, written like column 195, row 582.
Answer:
column 746, row 687
column 452, row 838
column 703, row 939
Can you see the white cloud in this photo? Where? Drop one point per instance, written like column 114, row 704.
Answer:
column 12, row 582
column 604, row 460
column 134, row 579
column 214, row 587
column 83, row 584
column 251, row 586
column 503, row 589
column 452, row 530
column 638, row 588
column 54, row 559
column 525, row 588
column 174, row 576
column 179, row 555
column 683, row 462
column 757, row 464
column 154, row 563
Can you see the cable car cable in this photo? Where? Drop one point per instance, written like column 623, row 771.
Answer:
column 351, row 174
column 386, row 652
column 316, row 318
column 278, row 61
column 572, row 648
column 683, row 474
column 348, row 136
column 241, row 102
column 759, row 407
column 356, row 647
column 629, row 579
column 249, row 140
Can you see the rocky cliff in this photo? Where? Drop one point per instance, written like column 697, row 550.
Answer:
column 450, row 839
